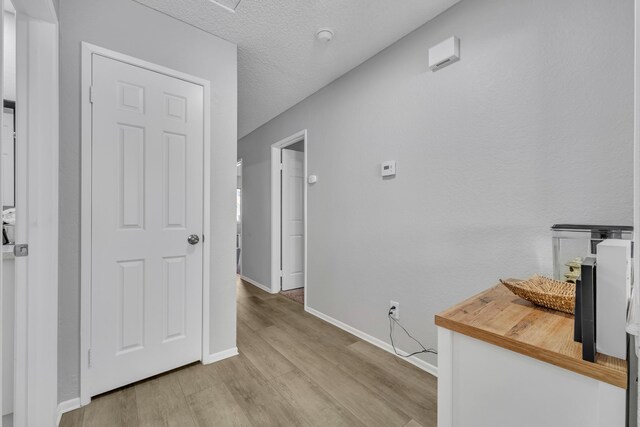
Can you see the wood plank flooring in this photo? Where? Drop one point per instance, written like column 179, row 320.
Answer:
column 293, row 370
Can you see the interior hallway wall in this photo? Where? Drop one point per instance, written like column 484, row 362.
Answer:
column 130, row 28
column 534, row 126
column 9, row 56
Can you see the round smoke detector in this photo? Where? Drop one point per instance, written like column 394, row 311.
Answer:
column 324, row 35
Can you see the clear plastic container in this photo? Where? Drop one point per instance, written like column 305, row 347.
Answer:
column 572, row 243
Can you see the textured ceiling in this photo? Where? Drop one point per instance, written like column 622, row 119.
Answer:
column 279, row 60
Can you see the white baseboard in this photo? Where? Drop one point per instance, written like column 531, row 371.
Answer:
column 425, row 366
column 221, row 355
column 67, row 406
column 257, row 284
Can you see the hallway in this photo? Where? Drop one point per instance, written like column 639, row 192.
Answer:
column 293, row 369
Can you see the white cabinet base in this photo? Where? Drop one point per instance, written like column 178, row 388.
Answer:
column 483, row 385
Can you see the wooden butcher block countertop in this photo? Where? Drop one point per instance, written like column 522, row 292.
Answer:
column 499, row 317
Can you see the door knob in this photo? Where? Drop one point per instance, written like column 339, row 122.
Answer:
column 193, row 239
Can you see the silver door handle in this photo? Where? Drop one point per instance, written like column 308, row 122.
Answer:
column 193, row 239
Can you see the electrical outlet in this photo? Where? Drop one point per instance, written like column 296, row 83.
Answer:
column 395, row 312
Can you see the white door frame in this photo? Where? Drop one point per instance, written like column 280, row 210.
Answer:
column 1, row 199
column 276, row 182
column 636, row 161
column 239, row 261
column 36, row 281
column 88, row 50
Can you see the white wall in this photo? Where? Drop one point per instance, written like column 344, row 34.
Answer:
column 9, row 56
column 130, row 28
column 534, row 126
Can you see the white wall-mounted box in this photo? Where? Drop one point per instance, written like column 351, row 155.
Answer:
column 444, row 53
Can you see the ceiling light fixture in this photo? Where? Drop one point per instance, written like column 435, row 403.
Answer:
column 230, row 5
column 324, row 35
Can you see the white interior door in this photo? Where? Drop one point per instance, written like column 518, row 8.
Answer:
column 292, row 220
column 147, row 199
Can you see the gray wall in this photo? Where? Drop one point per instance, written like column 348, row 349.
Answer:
column 133, row 29
column 534, row 126
column 9, row 56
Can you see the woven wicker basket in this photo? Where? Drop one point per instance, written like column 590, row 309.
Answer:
column 545, row 292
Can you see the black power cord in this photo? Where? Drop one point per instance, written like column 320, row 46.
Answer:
column 392, row 321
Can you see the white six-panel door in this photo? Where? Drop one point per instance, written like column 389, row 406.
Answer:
column 147, row 199
column 292, row 220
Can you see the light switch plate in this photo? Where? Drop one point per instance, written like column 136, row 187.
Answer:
column 388, row 168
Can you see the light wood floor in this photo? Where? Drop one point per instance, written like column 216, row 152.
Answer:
column 293, row 370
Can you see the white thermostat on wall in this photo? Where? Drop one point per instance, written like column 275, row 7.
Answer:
column 388, row 168
column 312, row 179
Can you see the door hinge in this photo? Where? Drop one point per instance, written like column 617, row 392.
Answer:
column 281, row 273
column 281, row 166
column 20, row 250
column 91, row 94
column 89, row 357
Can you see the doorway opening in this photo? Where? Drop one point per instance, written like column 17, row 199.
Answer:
column 289, row 217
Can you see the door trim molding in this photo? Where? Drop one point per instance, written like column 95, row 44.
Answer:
column 636, row 149
column 276, row 182
column 67, row 406
column 221, row 355
column 240, row 166
column 88, row 50
column 37, row 170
